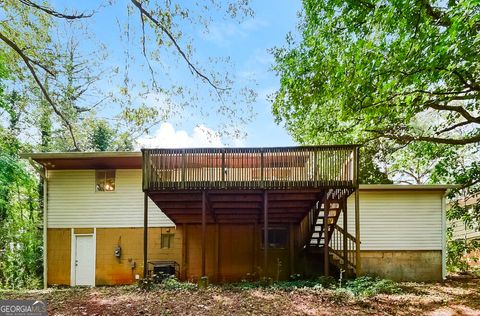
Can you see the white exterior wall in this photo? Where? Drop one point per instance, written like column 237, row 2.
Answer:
column 73, row 201
column 398, row 219
column 462, row 232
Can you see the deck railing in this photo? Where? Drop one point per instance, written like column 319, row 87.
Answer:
column 250, row 168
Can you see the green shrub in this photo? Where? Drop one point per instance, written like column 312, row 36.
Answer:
column 147, row 284
column 370, row 286
column 342, row 295
column 171, row 283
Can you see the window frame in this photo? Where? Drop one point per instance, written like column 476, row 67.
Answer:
column 170, row 237
column 97, row 171
column 275, row 228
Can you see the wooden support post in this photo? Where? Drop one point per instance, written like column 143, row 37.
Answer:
column 291, row 248
column 265, row 232
column 145, row 235
column 345, row 232
column 326, row 260
column 357, row 212
column 204, row 230
column 357, row 232
column 255, row 248
column 184, row 250
column 217, row 252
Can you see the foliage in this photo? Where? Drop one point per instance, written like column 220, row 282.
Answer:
column 402, row 70
column 102, row 136
column 370, row 172
column 169, row 283
column 371, row 286
column 20, row 234
column 56, row 61
column 456, row 251
column 20, row 218
column 401, row 77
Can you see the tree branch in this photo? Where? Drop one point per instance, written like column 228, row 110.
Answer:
column 436, row 15
column 54, row 13
column 192, row 67
column 451, row 128
column 144, row 51
column 437, row 140
column 27, row 62
column 455, row 108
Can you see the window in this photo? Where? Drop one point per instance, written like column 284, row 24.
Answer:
column 166, row 240
column 277, row 238
column 105, row 180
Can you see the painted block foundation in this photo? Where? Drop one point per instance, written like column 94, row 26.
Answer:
column 232, row 253
column 403, row 265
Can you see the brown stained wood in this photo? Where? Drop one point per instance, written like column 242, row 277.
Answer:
column 265, row 232
column 204, row 231
column 291, row 248
column 237, row 205
column 184, row 250
column 250, row 168
column 145, row 234
column 326, row 259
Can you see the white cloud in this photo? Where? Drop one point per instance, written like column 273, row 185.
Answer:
column 167, row 137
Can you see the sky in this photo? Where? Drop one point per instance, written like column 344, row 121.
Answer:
column 245, row 42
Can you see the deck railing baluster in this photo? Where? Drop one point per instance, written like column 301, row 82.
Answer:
column 250, row 168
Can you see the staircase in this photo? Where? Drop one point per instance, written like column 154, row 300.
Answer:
column 324, row 230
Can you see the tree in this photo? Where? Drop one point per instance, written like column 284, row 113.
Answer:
column 28, row 32
column 401, row 77
column 20, row 237
column 370, row 69
column 101, row 137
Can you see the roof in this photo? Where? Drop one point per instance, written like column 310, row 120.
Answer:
column 437, row 187
column 88, row 160
column 133, row 160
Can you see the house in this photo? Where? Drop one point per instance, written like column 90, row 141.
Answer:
column 467, row 233
column 115, row 217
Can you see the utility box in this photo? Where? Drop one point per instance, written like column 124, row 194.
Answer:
column 159, row 270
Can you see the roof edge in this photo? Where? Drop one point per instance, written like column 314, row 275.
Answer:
column 80, row 155
column 441, row 187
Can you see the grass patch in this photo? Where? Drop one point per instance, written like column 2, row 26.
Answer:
column 371, row 286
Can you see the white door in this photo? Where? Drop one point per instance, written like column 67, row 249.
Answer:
column 84, row 261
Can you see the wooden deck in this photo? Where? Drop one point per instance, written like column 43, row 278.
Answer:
column 285, row 186
column 250, row 168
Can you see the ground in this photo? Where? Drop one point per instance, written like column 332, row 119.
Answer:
column 454, row 297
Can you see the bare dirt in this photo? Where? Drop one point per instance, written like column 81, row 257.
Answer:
column 454, row 297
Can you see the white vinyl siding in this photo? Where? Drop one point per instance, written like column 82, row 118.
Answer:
column 73, row 201
column 398, row 219
column 462, row 232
